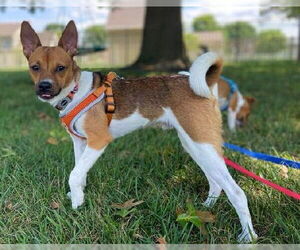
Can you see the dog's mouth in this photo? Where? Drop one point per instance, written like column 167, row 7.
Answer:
column 48, row 96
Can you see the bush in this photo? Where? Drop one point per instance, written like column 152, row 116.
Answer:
column 271, row 41
column 205, row 23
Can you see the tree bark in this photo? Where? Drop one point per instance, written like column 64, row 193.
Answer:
column 298, row 56
column 162, row 45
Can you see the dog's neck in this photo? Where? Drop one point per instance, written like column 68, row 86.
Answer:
column 84, row 81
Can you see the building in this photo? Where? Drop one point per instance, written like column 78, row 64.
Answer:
column 124, row 34
column 125, row 27
column 212, row 41
column 10, row 45
column 9, row 36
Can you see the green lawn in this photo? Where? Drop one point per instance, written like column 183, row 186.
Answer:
column 147, row 165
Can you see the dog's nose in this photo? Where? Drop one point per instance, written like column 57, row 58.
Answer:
column 45, row 85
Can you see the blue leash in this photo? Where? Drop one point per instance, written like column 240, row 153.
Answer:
column 264, row 157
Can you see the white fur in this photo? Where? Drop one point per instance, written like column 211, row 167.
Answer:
column 218, row 176
column 84, row 86
column 122, row 127
column 231, row 119
column 198, row 72
column 79, row 145
column 185, row 73
column 77, row 180
column 215, row 91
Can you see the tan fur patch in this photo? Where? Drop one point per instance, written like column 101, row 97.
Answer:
column 200, row 117
column 48, row 58
column 245, row 110
column 213, row 73
column 223, row 88
column 95, row 126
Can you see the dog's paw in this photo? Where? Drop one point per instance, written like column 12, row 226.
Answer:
column 247, row 237
column 210, row 201
column 77, row 198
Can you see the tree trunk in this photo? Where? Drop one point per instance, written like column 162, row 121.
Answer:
column 298, row 56
column 162, row 46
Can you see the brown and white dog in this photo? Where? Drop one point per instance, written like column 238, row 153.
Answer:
column 230, row 99
column 174, row 101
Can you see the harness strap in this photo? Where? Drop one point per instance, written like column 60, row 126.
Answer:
column 110, row 106
column 105, row 89
column 233, row 88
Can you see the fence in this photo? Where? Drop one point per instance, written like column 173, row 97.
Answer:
column 246, row 51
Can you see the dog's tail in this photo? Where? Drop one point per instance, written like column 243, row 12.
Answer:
column 204, row 73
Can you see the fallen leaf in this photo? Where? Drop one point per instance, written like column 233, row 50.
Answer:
column 125, row 212
column 284, row 171
column 206, row 216
column 43, row 116
column 196, row 217
column 24, row 132
column 54, row 205
column 137, row 236
column 9, row 205
column 161, row 240
column 179, row 210
column 52, row 140
column 127, row 204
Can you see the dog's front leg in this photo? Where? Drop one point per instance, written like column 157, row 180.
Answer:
column 231, row 119
column 78, row 175
column 79, row 145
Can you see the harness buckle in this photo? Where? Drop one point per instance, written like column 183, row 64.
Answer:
column 63, row 103
column 110, row 107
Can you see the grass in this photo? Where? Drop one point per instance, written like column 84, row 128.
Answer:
column 147, row 165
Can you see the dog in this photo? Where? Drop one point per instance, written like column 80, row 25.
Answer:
column 174, row 101
column 230, row 99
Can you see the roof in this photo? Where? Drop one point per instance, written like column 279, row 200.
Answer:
column 9, row 29
column 126, row 18
column 210, row 36
column 47, row 37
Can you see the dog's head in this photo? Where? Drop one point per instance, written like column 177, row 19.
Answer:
column 51, row 68
column 244, row 111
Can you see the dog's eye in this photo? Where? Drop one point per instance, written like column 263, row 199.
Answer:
column 60, row 68
column 35, row 67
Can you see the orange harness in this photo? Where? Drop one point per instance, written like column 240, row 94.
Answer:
column 104, row 91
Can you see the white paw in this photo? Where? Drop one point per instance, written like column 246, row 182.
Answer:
column 77, row 197
column 247, row 237
column 210, row 201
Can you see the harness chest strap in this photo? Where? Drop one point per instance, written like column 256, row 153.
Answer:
column 105, row 89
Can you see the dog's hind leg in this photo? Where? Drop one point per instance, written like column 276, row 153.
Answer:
column 214, row 189
column 208, row 156
column 213, row 193
column 213, row 165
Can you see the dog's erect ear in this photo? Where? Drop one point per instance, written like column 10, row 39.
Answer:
column 29, row 39
column 69, row 39
column 250, row 99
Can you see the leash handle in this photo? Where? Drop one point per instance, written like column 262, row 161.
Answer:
column 281, row 189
